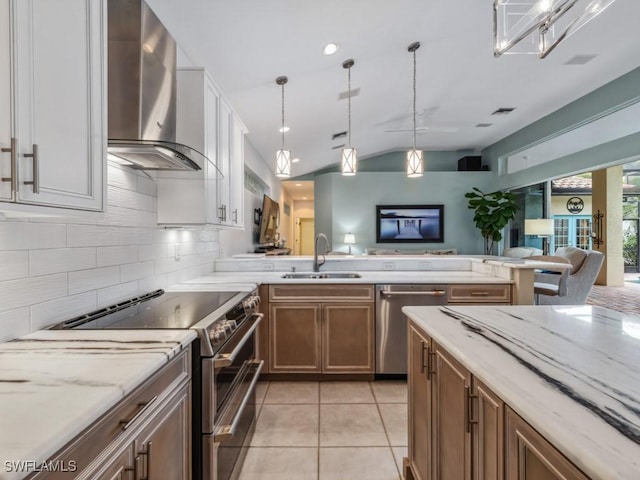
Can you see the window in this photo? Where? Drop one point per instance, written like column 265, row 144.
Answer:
column 571, row 231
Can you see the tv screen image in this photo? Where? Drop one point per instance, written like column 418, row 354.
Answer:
column 269, row 221
column 410, row 223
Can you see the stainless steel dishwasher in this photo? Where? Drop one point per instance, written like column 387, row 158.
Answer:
column 391, row 324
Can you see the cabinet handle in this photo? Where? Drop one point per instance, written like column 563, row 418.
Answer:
column 480, row 294
column 143, row 407
column 422, row 362
column 224, row 212
column 221, row 213
column 36, row 173
column 235, row 216
column 147, row 453
column 133, row 469
column 469, row 408
column 13, row 178
column 430, row 365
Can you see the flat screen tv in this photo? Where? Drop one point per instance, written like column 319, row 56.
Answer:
column 410, row 223
column 269, row 221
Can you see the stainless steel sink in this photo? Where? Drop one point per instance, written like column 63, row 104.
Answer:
column 321, row 275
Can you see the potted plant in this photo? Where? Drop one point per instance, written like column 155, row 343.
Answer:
column 492, row 212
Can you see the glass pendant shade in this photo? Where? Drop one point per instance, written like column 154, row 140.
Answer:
column 415, row 163
column 283, row 163
column 349, row 161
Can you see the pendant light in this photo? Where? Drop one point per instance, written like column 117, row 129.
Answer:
column 283, row 157
column 415, row 162
column 349, row 154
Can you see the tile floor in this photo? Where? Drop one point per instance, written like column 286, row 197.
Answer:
column 328, row 431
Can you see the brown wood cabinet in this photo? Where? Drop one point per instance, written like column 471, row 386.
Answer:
column 460, row 429
column 319, row 329
column 529, row 456
column 479, row 294
column 146, row 435
column 487, row 436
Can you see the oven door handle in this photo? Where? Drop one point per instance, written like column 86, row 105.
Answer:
column 227, row 359
column 224, row 432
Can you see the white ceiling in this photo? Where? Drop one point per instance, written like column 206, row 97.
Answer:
column 299, row 190
column 246, row 44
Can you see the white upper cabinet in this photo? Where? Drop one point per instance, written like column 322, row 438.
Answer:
column 215, row 194
column 55, row 84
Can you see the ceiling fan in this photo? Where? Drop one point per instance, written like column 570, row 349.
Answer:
column 421, row 124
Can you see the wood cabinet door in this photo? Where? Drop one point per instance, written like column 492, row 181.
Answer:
column 530, row 457
column 419, row 406
column 488, row 433
column 60, row 59
column 165, row 443
column 451, row 435
column 120, row 467
column 295, row 337
column 347, row 338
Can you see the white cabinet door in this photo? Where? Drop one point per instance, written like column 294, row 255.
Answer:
column 212, row 176
column 59, row 56
column 236, row 174
column 224, row 160
column 6, row 104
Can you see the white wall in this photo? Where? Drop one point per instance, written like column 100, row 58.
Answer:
column 52, row 268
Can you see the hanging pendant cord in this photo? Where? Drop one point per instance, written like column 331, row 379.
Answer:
column 414, row 99
column 282, row 129
column 349, row 102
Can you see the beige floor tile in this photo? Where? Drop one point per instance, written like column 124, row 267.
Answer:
column 363, row 463
column 390, row 391
column 346, row 392
column 398, row 454
column 351, row 425
column 261, row 391
column 395, row 417
column 280, row 464
column 286, row 426
column 292, row 392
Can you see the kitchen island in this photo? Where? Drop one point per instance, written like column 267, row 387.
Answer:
column 539, row 389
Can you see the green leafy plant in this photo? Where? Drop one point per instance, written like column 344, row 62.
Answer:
column 492, row 212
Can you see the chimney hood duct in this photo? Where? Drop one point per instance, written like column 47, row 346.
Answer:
column 142, row 91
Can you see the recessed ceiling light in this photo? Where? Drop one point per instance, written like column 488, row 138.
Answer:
column 304, row 198
column 284, row 129
column 330, row 48
column 298, row 184
column 295, row 160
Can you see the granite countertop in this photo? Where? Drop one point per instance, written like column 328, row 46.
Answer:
column 572, row 372
column 243, row 279
column 54, row 384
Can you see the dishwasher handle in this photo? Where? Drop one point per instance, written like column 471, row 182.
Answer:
column 429, row 293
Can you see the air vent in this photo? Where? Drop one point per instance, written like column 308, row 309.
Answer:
column 503, row 111
column 335, row 136
column 344, row 95
column 483, row 125
column 336, row 147
column 580, row 59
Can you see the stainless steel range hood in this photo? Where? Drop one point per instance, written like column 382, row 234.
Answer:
column 142, row 91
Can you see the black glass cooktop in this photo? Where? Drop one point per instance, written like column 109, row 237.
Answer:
column 157, row 309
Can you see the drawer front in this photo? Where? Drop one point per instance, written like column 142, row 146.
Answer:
column 315, row 292
column 85, row 448
column 479, row 293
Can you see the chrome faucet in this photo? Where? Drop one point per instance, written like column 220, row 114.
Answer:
column 316, row 264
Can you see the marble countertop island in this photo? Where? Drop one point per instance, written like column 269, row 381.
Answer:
column 54, row 384
column 572, row 372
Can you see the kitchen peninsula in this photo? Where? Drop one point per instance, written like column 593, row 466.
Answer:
column 546, row 392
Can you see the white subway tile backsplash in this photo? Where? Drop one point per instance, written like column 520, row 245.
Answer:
column 93, row 279
column 124, row 217
column 147, row 186
column 149, row 284
column 147, row 219
column 121, row 177
column 137, row 236
column 136, row 271
column 21, row 293
column 57, row 260
column 117, row 293
column 152, row 252
column 93, row 236
column 14, row 265
column 117, row 255
column 28, row 235
column 139, row 201
column 54, row 311
column 14, row 323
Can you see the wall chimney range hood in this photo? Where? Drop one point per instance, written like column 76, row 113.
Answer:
column 142, row 91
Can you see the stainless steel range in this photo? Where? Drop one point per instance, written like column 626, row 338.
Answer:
column 225, row 369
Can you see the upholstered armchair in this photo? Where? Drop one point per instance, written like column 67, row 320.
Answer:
column 571, row 288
